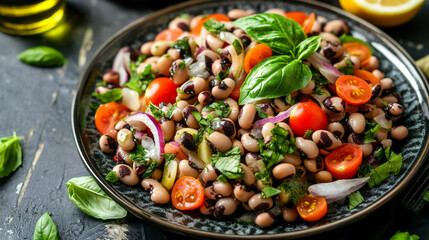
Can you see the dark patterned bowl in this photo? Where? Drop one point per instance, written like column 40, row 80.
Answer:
column 394, row 61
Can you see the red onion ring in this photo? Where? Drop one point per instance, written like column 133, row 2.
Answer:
column 280, row 117
column 121, row 63
column 338, row 189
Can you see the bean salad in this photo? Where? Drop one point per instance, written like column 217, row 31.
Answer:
column 275, row 113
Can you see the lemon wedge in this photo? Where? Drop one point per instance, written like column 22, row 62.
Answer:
column 383, row 13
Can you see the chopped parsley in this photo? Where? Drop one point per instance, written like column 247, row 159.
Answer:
column 392, row 166
column 112, row 177
column 214, row 26
column 261, row 113
column 158, row 113
column 221, row 108
column 268, row 192
column 114, row 95
column 295, row 189
column 139, row 155
column 185, row 52
column 153, row 165
column 371, row 133
column 139, row 81
column 355, row 199
column 228, row 163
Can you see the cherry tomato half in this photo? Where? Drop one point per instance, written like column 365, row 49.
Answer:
column 255, row 55
column 217, row 16
column 160, row 90
column 343, row 162
column 370, row 78
column 170, row 148
column 169, row 35
column 108, row 114
column 353, row 90
column 306, row 116
column 359, row 50
column 308, row 23
column 187, row 193
column 299, row 17
column 312, row 208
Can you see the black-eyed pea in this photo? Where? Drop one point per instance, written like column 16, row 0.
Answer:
column 266, row 131
column 180, row 23
column 102, row 90
column 276, row 11
column 217, row 67
column 158, row 48
column 249, row 142
column 328, row 37
column 372, row 64
column 293, row 159
column 334, row 104
column 251, row 160
column 189, row 117
column 204, row 98
column 227, row 127
column 326, row 140
column 111, row 77
column 145, row 48
column 177, row 113
column 280, row 104
column 225, row 207
column 265, row 219
column 357, row 122
column 158, row 194
column 153, row 66
column 376, row 91
column 337, row 27
column 179, row 72
column 137, row 125
column 289, row 214
column 214, row 43
column 333, row 50
column 164, row 64
column 309, row 88
column 126, row 174
column 199, row 107
column 258, row 203
column 356, row 62
column 387, row 83
column 382, row 134
column 366, row 149
column 323, row 176
column 107, row 144
column 394, row 110
column 235, row 110
column 301, row 173
column 207, row 208
column 245, row 206
column 284, row 170
column 237, row 143
column 208, row 174
column 224, row 89
column 386, row 143
column 209, row 193
column 242, row 192
column 187, row 168
column 391, row 98
column 307, row 148
column 174, row 53
column 249, row 178
column 157, row 174
column 219, row 141
column 235, row 14
column 247, row 116
column 241, row 132
column 125, row 139
column 222, row 188
column 399, row 132
column 123, row 156
column 337, row 129
column 379, row 74
column 314, row 164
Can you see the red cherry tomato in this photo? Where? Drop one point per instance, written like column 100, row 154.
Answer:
column 160, row 90
column 187, row 194
column 168, row 35
column 306, row 116
column 353, row 90
column 308, row 23
column 170, row 148
column 217, row 16
column 344, row 161
column 370, row 78
column 299, row 17
column 108, row 114
column 359, row 50
column 255, row 55
column 311, row 208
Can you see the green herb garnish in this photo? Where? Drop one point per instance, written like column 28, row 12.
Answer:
column 45, row 229
column 114, row 95
column 112, row 177
column 42, row 56
column 268, row 192
column 228, row 163
column 355, row 199
column 10, row 155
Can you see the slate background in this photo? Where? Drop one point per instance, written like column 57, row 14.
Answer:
column 35, row 102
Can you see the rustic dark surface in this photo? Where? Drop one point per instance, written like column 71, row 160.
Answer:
column 35, row 102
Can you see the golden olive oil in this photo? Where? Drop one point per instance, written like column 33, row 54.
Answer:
column 28, row 17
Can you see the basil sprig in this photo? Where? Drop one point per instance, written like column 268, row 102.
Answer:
column 42, row 56
column 280, row 74
column 45, row 229
column 10, row 155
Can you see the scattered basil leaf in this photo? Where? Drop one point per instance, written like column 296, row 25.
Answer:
column 139, row 81
column 42, row 56
column 85, row 193
column 156, row 112
column 295, row 189
column 45, row 229
column 274, row 77
column 348, row 38
column 214, row 26
column 139, row 155
column 222, row 178
column 185, row 51
column 349, row 69
column 221, row 109
column 319, row 81
column 10, row 155
column 205, row 126
column 264, row 176
column 364, row 170
column 392, row 166
column 228, row 163
column 371, row 134
column 379, row 154
column 281, row 143
column 170, row 111
column 261, row 113
column 279, row 33
column 425, row 196
column 355, row 199
column 168, row 157
column 268, row 192
column 112, row 177
column 404, row 236
column 153, row 165
column 114, row 95
column 307, row 47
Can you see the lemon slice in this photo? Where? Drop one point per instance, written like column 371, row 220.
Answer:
column 384, row 13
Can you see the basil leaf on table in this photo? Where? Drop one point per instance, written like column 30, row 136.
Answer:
column 274, row 77
column 45, row 229
column 10, row 155
column 85, row 193
column 279, row 33
column 42, row 56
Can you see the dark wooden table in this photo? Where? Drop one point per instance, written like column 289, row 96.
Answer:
column 36, row 103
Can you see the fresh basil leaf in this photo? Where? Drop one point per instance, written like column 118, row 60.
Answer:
column 114, row 95
column 156, row 112
column 153, row 165
column 10, row 155
column 355, row 199
column 214, row 26
column 364, row 170
column 261, row 113
column 319, row 80
column 170, row 111
column 229, row 163
column 42, row 56
column 222, row 178
column 85, row 193
column 274, row 77
column 307, row 47
column 425, row 196
column 45, row 229
column 279, row 33
column 382, row 172
column 281, row 142
column 404, row 236
column 168, row 157
column 268, row 192
column 139, row 155
column 185, row 51
column 139, row 82
column 264, row 176
column 112, row 177
column 348, row 38
column 221, row 109
column 295, row 189
column 371, row 134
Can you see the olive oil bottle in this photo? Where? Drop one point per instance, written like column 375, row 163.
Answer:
column 29, row 17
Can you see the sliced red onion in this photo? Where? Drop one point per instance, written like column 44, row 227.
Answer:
column 139, row 135
column 338, row 189
column 202, row 48
column 383, row 121
column 237, row 59
column 280, row 117
column 324, row 67
column 155, row 129
column 121, row 64
column 175, row 144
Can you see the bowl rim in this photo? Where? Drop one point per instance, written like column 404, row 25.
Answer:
column 75, row 124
